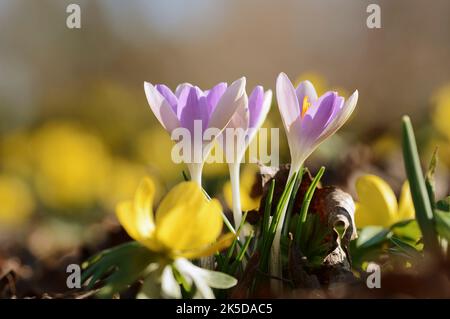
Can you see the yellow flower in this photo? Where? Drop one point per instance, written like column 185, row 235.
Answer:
column 124, row 177
column 378, row 205
column 154, row 148
column 16, row 201
column 247, row 180
column 185, row 225
column 71, row 165
column 441, row 114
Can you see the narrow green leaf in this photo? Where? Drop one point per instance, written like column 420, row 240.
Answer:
column 443, row 223
column 275, row 220
column 424, row 212
column 371, row 236
column 268, row 209
column 305, row 204
column 291, row 204
column 429, row 179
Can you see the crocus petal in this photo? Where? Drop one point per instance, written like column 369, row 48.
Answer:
column 256, row 123
column 168, row 95
column 287, row 101
column 312, row 125
column 181, row 87
column 192, row 107
column 161, row 108
column 342, row 116
column 377, row 204
column 306, row 88
column 231, row 100
column 214, row 95
column 255, row 102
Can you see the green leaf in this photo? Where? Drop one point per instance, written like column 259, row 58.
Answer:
column 444, row 204
column 270, row 234
column 407, row 229
column 443, row 223
column 305, row 204
column 424, row 212
column 291, row 204
column 429, row 179
column 404, row 249
column 371, row 236
column 123, row 264
column 268, row 209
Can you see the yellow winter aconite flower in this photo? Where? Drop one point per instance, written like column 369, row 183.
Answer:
column 154, row 148
column 124, row 177
column 16, row 201
column 247, row 201
column 186, row 223
column 441, row 113
column 71, row 165
column 378, row 205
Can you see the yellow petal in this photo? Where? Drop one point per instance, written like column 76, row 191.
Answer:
column 377, row 202
column 137, row 217
column 126, row 215
column 190, row 227
column 406, row 205
column 222, row 243
column 186, row 193
column 143, row 203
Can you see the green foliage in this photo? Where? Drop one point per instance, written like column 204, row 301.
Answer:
column 419, row 191
column 117, row 267
column 305, row 205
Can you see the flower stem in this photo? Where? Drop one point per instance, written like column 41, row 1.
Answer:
column 195, row 170
column 275, row 253
column 235, row 189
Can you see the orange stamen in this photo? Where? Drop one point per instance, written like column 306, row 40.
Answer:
column 305, row 106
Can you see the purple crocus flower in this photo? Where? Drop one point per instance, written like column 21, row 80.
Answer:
column 195, row 111
column 237, row 136
column 308, row 120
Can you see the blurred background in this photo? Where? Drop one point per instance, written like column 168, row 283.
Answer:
column 77, row 135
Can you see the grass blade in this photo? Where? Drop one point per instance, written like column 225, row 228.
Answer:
column 424, row 212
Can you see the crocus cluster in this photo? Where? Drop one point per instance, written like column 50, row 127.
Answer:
column 307, row 118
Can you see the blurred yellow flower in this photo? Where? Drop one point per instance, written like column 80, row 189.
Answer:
column 16, row 153
column 124, row 177
column 154, row 148
column 384, row 146
column 71, row 165
column 248, row 178
column 441, row 115
column 378, row 205
column 16, row 201
column 185, row 225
